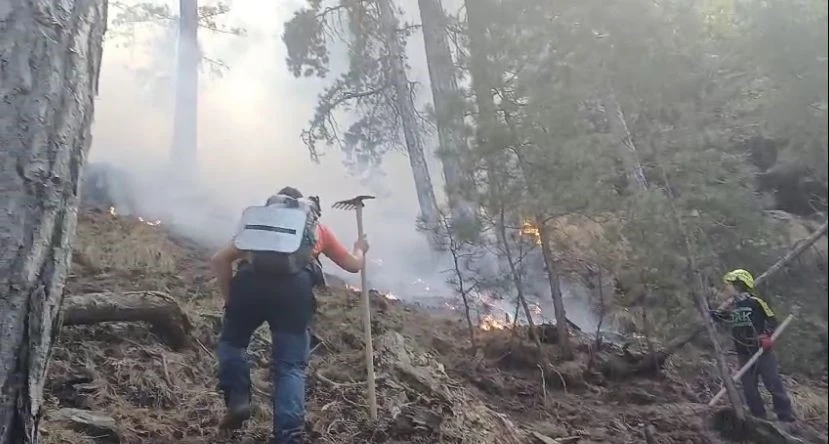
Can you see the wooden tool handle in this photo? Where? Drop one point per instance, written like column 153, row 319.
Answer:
column 372, row 395
column 742, row 371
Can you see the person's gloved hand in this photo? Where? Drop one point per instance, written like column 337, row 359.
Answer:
column 765, row 342
column 362, row 244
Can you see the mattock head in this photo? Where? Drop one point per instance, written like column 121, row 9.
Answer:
column 351, row 204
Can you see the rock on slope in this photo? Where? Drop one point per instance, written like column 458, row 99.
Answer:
column 432, row 386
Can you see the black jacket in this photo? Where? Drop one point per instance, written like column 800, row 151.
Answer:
column 748, row 318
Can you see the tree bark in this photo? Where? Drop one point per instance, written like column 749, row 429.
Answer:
column 51, row 56
column 184, row 148
column 454, row 250
column 449, row 109
column 555, row 289
column 702, row 305
column 515, row 273
column 549, row 261
column 719, row 354
column 627, row 149
column 408, row 116
column 156, row 308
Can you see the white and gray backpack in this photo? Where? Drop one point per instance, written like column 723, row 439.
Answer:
column 279, row 235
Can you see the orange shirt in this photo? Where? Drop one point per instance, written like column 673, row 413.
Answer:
column 328, row 245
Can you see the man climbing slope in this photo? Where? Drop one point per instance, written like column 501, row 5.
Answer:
column 752, row 323
column 274, row 284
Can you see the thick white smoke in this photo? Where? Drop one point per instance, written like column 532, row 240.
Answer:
column 249, row 124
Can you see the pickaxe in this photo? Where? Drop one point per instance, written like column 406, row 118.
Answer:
column 357, row 204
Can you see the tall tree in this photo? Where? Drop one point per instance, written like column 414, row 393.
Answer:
column 375, row 88
column 449, row 111
column 189, row 59
column 482, row 84
column 689, row 86
column 408, row 113
column 624, row 140
column 519, row 137
column 184, row 148
column 48, row 80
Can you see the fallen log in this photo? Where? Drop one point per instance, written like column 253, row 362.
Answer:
column 158, row 309
column 646, row 363
column 99, row 425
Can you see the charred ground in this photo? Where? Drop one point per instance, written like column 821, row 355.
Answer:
column 433, row 386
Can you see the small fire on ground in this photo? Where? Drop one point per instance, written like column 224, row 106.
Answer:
column 152, row 223
column 531, row 230
column 490, row 323
column 490, row 312
column 388, row 296
column 484, row 307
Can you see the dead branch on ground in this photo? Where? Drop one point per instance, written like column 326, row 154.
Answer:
column 153, row 307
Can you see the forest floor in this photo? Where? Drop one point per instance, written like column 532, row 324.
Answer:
column 432, row 385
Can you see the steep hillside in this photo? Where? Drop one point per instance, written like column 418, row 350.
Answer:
column 433, row 386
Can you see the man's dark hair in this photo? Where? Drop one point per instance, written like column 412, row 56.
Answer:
column 741, row 287
column 296, row 194
column 290, row 192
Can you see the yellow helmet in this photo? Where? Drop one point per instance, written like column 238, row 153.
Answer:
column 739, row 275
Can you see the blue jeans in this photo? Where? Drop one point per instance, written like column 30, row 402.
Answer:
column 286, row 305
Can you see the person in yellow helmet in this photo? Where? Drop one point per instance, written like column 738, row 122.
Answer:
column 752, row 323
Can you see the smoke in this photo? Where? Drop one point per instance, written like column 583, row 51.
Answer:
column 249, row 123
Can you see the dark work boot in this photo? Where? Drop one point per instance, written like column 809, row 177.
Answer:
column 238, row 411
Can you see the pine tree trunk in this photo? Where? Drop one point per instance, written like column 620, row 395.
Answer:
column 555, row 288
column 184, row 149
column 549, row 261
column 449, row 108
column 694, row 276
column 515, row 273
column 51, row 57
column 408, row 116
column 627, row 149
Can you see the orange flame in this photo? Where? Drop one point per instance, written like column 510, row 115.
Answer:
column 489, row 323
column 531, row 230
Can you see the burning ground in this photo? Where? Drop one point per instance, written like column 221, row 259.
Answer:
column 131, row 382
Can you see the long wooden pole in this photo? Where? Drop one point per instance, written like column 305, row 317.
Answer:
column 792, row 254
column 742, row 371
column 800, row 247
column 372, row 395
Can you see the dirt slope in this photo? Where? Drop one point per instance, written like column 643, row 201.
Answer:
column 432, row 386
